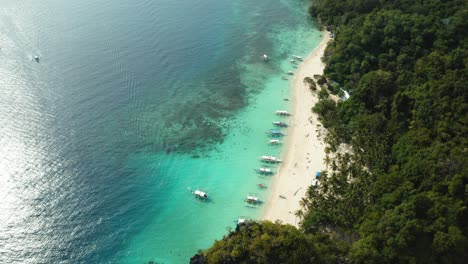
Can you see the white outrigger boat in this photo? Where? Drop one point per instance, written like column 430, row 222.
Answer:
column 297, row 57
column 280, row 124
column 264, row 171
column 275, row 133
column 253, row 200
column 274, row 142
column 240, row 221
column 270, row 159
column 282, row 112
column 200, row 194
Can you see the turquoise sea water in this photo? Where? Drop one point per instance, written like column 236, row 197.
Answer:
column 132, row 104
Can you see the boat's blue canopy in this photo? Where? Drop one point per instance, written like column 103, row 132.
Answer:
column 275, row 131
column 317, row 174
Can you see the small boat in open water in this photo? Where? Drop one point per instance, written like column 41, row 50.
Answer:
column 265, row 57
column 36, row 58
column 200, row 194
column 290, row 72
column 263, row 186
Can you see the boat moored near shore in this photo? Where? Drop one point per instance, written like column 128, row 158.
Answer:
column 270, row 159
column 282, row 113
column 264, row 171
column 280, row 124
column 275, row 133
column 253, row 200
column 274, row 142
column 299, row 58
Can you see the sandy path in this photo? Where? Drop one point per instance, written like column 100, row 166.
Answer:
column 304, row 153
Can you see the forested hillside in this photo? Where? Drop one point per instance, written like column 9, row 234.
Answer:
column 401, row 194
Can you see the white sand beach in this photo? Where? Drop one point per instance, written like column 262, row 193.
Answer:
column 304, row 150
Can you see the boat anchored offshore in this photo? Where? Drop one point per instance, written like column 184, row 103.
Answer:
column 290, row 72
column 264, row 171
column 200, row 194
column 261, row 185
column 265, row 57
column 280, row 124
column 270, row 159
column 282, row 112
column 274, row 142
column 36, row 58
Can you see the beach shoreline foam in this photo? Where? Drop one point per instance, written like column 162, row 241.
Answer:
column 304, row 149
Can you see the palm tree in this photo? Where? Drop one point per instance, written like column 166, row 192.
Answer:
column 327, row 160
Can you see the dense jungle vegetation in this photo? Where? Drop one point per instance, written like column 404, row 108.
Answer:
column 400, row 195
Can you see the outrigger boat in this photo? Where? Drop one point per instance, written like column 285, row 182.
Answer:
column 270, row 159
column 274, row 142
column 297, row 57
column 280, row 124
column 264, row 171
column 261, row 185
column 253, row 200
column 240, row 221
column 275, row 133
column 282, row 112
column 200, row 194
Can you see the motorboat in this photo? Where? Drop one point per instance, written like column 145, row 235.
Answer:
column 265, row 57
column 36, row 58
column 290, row 73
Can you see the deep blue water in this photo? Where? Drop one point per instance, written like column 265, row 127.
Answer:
column 130, row 103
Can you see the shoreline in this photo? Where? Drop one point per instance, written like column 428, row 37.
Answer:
column 304, row 149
